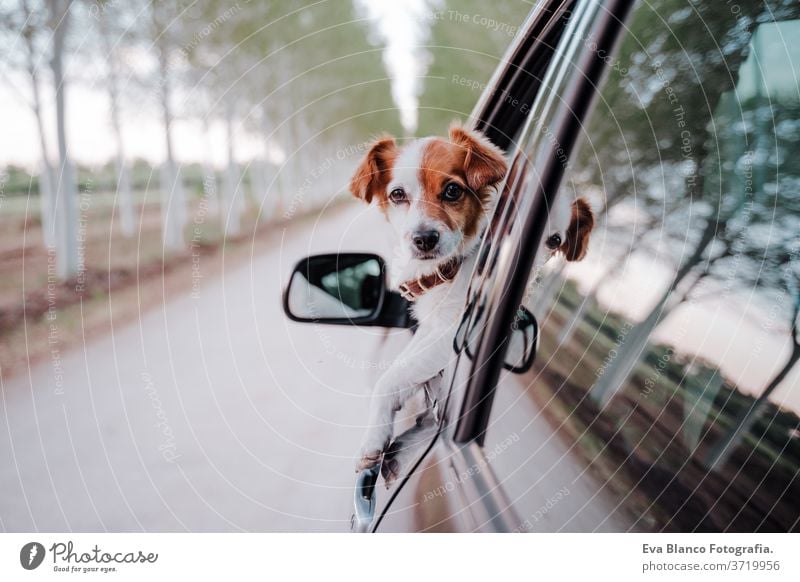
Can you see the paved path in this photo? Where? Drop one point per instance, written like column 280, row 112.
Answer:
column 210, row 413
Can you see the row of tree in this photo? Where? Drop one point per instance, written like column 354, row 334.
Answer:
column 300, row 78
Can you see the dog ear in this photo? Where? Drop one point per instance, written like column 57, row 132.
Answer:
column 374, row 172
column 484, row 162
column 580, row 227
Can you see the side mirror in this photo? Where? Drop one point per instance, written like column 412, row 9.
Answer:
column 523, row 338
column 522, row 342
column 344, row 289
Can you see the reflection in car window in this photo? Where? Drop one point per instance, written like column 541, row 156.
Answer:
column 356, row 286
column 667, row 366
column 474, row 318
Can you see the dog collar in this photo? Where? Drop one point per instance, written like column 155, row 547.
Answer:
column 444, row 273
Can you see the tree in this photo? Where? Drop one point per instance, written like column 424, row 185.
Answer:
column 67, row 257
column 32, row 27
column 301, row 77
column 233, row 200
column 764, row 247
column 173, row 202
column 468, row 41
column 123, row 192
column 722, row 449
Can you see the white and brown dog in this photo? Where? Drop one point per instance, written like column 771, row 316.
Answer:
column 438, row 194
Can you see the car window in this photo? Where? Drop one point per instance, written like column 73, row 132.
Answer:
column 666, row 393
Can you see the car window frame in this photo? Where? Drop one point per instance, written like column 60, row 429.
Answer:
column 482, row 496
column 513, row 270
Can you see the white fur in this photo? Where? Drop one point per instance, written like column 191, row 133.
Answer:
column 411, row 217
column 438, row 311
column 426, row 355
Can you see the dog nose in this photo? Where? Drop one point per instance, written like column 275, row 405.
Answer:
column 425, row 240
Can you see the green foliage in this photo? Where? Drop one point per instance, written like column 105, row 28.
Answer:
column 16, row 181
column 468, row 40
column 289, row 60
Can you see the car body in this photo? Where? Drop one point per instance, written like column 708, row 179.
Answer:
column 664, row 395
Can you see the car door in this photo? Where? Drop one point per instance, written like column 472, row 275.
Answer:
column 453, row 489
column 665, row 391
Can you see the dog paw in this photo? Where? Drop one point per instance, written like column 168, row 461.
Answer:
column 372, row 447
column 390, row 471
column 392, row 462
column 369, row 460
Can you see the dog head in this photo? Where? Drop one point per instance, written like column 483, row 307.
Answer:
column 569, row 227
column 435, row 192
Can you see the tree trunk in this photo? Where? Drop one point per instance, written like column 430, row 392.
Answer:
column 569, row 328
column 173, row 211
column 233, row 198
column 259, row 187
column 173, row 202
column 287, row 198
column 632, row 346
column 628, row 353
column 268, row 206
column 47, row 204
column 47, row 196
column 210, row 187
column 127, row 223
column 123, row 194
column 67, row 256
column 543, row 296
column 720, row 452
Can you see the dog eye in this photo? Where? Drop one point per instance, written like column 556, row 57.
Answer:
column 452, row 192
column 553, row 242
column 397, row 195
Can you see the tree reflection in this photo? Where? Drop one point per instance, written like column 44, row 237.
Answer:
column 697, row 138
column 737, row 216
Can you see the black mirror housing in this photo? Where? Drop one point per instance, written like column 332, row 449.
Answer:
column 523, row 342
column 522, row 339
column 344, row 289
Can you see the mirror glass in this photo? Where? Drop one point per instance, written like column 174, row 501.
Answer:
column 337, row 287
column 523, row 341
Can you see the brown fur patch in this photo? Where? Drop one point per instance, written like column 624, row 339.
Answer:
column 578, row 231
column 375, row 172
column 484, row 163
column 440, row 165
column 472, row 162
